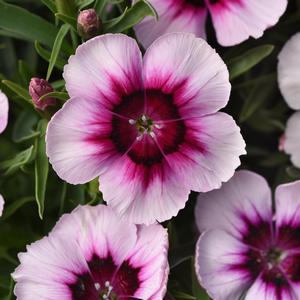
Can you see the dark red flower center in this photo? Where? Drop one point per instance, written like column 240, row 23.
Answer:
column 200, row 3
column 276, row 259
column 147, row 126
column 106, row 281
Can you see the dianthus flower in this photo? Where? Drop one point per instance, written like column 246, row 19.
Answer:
column 245, row 250
column 92, row 254
column 234, row 20
column 289, row 83
column 148, row 127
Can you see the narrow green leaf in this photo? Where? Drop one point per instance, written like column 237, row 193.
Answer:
column 10, row 295
column 5, row 255
column 68, row 20
column 24, row 72
column 248, row 60
column 58, row 84
column 83, row 3
column 13, row 165
column 27, row 25
column 66, row 7
column 93, row 189
column 115, row 21
column 23, row 126
column 20, row 91
column 8, row 57
column 12, row 208
column 41, row 168
column 256, row 99
column 100, row 5
column 51, row 5
column 59, row 64
column 184, row 296
column 56, row 48
column 11, row 34
column 134, row 15
column 59, row 95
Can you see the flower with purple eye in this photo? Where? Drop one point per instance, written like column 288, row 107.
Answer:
column 289, row 83
column 92, row 254
column 245, row 250
column 148, row 127
column 234, row 20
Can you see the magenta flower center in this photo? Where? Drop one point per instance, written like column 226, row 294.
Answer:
column 200, row 3
column 273, row 257
column 147, row 126
column 106, row 281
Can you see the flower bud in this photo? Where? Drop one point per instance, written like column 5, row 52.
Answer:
column 281, row 144
column 39, row 87
column 88, row 23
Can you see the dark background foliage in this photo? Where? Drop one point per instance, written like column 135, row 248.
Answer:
column 36, row 198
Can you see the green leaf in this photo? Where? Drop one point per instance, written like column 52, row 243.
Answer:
column 5, row 255
column 181, row 295
column 25, row 72
column 115, row 21
column 66, row 7
column 256, row 99
column 93, row 189
column 56, row 48
column 99, row 6
column 58, row 84
column 248, row 60
column 41, row 168
column 12, row 208
column 68, row 20
column 8, row 57
column 51, row 5
column 134, row 15
column 13, row 165
column 20, row 91
column 198, row 292
column 59, row 95
column 27, row 25
column 83, row 3
column 23, row 126
column 59, row 64
column 10, row 295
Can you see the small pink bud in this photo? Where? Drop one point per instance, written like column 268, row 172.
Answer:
column 281, row 143
column 39, row 87
column 88, row 23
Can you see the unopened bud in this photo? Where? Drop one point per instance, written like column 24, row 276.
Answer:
column 39, row 87
column 88, row 23
column 281, row 144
